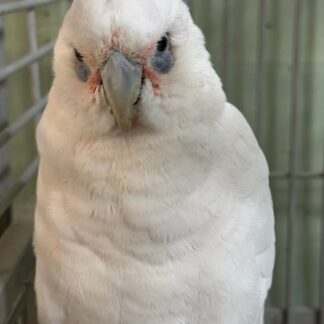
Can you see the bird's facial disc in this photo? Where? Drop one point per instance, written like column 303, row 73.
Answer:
column 122, row 82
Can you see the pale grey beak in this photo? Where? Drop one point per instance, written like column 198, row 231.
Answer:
column 122, row 81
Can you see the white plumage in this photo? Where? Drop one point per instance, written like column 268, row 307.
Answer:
column 170, row 222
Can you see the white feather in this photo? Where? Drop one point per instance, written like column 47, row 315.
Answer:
column 171, row 223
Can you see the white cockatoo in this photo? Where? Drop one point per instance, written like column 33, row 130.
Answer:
column 153, row 200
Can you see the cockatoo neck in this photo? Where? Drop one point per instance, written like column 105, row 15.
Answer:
column 140, row 188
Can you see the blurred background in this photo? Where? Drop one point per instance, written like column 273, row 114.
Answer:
column 270, row 56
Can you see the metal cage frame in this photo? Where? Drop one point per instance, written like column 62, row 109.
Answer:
column 16, row 256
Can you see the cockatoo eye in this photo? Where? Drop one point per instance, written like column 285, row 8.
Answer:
column 82, row 70
column 162, row 44
column 163, row 59
column 78, row 55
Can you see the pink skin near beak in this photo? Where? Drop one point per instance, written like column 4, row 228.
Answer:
column 122, row 76
column 143, row 57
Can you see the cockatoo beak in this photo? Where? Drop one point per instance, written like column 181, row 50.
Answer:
column 122, row 82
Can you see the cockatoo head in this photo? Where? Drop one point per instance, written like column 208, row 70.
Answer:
column 140, row 63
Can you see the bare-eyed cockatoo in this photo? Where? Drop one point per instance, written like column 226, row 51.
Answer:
column 153, row 200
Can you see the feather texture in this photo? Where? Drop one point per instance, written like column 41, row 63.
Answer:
column 171, row 223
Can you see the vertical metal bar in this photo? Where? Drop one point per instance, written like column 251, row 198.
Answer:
column 15, row 6
column 225, row 41
column 33, row 44
column 292, row 190
column 5, row 219
column 24, row 314
column 322, row 256
column 19, row 304
column 259, row 100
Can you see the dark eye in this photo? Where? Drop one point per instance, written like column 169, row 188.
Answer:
column 82, row 69
column 163, row 59
column 162, row 44
column 78, row 55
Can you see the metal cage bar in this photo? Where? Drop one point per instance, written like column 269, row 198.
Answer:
column 321, row 297
column 259, row 100
column 8, row 133
column 16, row 266
column 32, row 36
column 25, row 61
column 292, row 194
column 4, row 151
column 225, row 41
column 13, row 191
column 14, row 271
column 9, row 8
column 19, row 304
column 297, row 175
